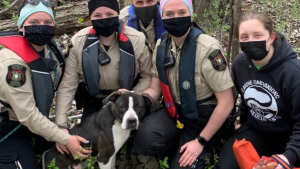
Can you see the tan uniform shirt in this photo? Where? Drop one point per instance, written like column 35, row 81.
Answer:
column 109, row 73
column 208, row 80
column 21, row 99
column 150, row 30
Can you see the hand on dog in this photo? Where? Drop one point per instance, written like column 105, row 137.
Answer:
column 123, row 90
column 191, row 150
column 75, row 148
column 61, row 148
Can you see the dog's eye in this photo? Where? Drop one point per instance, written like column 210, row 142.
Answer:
column 122, row 107
column 140, row 107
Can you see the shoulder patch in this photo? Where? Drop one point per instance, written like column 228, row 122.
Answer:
column 16, row 75
column 218, row 60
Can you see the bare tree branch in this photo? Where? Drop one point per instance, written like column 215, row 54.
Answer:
column 231, row 22
column 237, row 8
column 10, row 7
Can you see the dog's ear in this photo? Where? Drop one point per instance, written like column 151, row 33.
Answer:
column 150, row 100
column 112, row 97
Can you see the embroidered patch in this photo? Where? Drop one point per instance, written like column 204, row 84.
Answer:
column 218, row 60
column 16, row 75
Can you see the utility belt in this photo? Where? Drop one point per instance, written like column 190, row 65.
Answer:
column 3, row 114
column 204, row 113
column 85, row 100
column 6, row 125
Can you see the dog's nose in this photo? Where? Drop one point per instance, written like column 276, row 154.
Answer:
column 131, row 121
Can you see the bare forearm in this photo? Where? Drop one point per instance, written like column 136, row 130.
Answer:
column 153, row 93
column 220, row 113
column 154, row 90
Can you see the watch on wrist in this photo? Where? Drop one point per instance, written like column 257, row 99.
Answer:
column 202, row 140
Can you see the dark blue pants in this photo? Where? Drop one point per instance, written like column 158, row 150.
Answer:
column 22, row 146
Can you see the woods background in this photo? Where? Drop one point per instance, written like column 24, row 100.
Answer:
column 216, row 17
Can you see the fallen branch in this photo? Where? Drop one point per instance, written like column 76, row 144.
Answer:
column 10, row 7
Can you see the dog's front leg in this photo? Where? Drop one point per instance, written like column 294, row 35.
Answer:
column 111, row 163
column 120, row 136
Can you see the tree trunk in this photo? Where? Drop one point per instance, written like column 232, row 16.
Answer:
column 122, row 4
column 69, row 18
column 228, row 54
column 237, row 9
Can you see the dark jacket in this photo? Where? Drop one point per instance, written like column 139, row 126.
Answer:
column 271, row 95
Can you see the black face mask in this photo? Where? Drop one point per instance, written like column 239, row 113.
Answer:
column 146, row 14
column 106, row 27
column 255, row 50
column 39, row 34
column 177, row 26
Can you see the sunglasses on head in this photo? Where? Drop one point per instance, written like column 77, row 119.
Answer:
column 47, row 3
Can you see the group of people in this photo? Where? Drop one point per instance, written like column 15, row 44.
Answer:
column 153, row 47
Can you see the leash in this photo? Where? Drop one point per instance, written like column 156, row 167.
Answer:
column 10, row 133
column 43, row 159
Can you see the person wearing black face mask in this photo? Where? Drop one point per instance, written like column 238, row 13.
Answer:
column 31, row 69
column 190, row 71
column 106, row 57
column 267, row 76
column 144, row 16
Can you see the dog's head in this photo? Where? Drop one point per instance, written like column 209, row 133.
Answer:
column 129, row 107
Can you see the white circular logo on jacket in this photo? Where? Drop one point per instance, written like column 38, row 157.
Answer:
column 186, row 85
column 263, row 104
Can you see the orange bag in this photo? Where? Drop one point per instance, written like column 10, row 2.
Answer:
column 245, row 154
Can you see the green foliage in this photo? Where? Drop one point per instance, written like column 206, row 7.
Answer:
column 286, row 14
column 52, row 165
column 211, row 166
column 80, row 20
column 52, row 111
column 194, row 16
column 1, row 46
column 215, row 17
column 69, row 120
column 90, row 161
column 123, row 150
column 32, row 143
column 77, row 156
column 163, row 164
column 38, row 158
column 5, row 3
column 15, row 17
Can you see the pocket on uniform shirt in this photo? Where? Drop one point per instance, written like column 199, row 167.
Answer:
column 8, row 159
